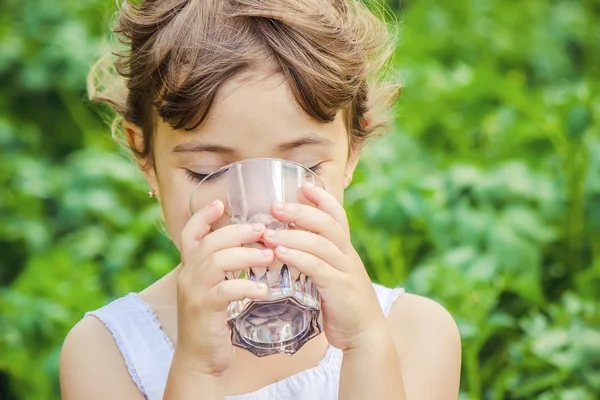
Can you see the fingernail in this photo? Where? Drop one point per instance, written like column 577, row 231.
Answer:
column 309, row 184
column 214, row 203
column 260, row 286
column 267, row 252
column 279, row 206
column 270, row 233
column 258, row 227
column 282, row 250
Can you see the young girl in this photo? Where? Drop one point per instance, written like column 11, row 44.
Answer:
column 211, row 82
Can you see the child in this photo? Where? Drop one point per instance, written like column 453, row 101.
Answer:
column 210, row 82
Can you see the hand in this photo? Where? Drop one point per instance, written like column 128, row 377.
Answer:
column 203, row 337
column 321, row 249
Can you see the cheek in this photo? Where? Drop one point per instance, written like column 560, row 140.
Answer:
column 333, row 181
column 337, row 191
column 174, row 202
column 177, row 196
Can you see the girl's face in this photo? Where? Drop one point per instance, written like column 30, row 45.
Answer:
column 254, row 116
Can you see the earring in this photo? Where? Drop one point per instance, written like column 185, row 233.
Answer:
column 152, row 193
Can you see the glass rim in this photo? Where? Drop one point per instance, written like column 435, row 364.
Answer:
column 249, row 160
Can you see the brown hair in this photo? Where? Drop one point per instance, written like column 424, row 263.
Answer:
column 178, row 53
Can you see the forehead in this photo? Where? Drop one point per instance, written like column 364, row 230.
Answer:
column 257, row 102
column 258, row 109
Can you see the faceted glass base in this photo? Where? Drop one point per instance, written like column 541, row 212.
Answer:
column 279, row 326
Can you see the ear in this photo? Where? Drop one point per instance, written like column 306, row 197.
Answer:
column 353, row 157
column 135, row 139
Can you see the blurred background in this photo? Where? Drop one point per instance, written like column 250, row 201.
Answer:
column 485, row 197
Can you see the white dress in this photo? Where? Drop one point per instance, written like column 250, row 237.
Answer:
column 148, row 352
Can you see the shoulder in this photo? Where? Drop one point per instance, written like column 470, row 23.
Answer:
column 428, row 339
column 416, row 318
column 91, row 366
column 423, row 315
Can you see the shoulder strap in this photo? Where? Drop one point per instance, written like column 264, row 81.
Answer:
column 387, row 296
column 146, row 349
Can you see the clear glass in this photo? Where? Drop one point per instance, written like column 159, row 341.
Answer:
column 290, row 315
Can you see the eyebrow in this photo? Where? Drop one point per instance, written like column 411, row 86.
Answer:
column 199, row 147
column 307, row 140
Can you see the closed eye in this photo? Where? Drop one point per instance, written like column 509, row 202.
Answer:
column 196, row 177
column 316, row 168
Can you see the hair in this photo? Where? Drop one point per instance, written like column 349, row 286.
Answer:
column 177, row 53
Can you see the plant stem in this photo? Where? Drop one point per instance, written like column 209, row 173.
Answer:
column 472, row 367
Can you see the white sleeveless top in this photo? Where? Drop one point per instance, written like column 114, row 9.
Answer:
column 148, row 352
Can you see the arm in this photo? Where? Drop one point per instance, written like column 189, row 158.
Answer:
column 187, row 382
column 371, row 370
column 428, row 344
column 425, row 359
column 414, row 354
column 91, row 366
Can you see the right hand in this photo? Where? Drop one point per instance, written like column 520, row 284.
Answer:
column 203, row 336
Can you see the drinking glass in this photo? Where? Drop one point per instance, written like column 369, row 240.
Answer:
column 289, row 316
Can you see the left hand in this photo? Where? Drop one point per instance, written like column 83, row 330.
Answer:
column 321, row 249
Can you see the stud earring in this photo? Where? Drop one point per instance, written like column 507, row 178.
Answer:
column 152, row 193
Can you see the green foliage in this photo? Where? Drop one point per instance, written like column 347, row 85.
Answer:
column 486, row 197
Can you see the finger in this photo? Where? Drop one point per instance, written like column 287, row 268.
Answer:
column 233, row 259
column 314, row 220
column 198, row 226
column 220, row 296
column 227, row 237
column 325, row 202
column 307, row 242
column 322, row 274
